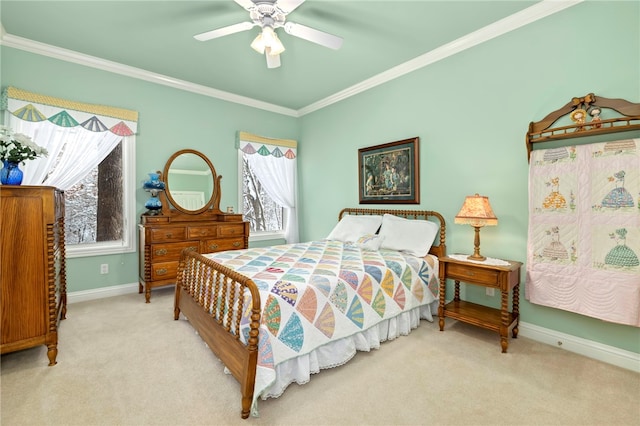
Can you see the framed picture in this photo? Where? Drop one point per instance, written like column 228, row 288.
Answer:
column 389, row 173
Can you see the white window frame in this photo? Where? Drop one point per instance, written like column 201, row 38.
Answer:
column 257, row 235
column 128, row 242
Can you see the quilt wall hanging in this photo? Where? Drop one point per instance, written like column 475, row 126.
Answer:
column 584, row 230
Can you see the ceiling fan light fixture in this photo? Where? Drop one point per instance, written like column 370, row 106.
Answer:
column 270, row 15
column 258, row 44
column 268, row 35
column 273, row 61
column 267, row 39
column 276, row 46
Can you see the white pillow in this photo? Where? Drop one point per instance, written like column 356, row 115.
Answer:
column 414, row 237
column 352, row 227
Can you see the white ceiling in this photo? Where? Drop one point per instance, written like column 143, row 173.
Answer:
column 154, row 40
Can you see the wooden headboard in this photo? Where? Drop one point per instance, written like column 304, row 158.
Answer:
column 439, row 247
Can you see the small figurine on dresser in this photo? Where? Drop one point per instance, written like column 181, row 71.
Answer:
column 154, row 186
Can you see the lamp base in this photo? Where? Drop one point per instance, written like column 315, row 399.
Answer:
column 476, row 257
column 476, row 246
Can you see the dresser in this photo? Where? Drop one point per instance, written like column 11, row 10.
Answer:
column 174, row 223
column 162, row 239
column 32, row 271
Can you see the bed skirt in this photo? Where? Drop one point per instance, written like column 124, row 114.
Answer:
column 335, row 354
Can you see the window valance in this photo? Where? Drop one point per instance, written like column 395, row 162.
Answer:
column 254, row 144
column 34, row 107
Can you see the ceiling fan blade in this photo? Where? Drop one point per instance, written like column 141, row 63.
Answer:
column 273, row 61
column 313, row 35
column 288, row 6
column 246, row 4
column 231, row 29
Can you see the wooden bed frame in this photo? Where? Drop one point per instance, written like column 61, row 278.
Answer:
column 211, row 297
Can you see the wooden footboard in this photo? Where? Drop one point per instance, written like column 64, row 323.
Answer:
column 214, row 299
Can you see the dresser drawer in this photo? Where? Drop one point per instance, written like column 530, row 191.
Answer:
column 223, row 244
column 171, row 251
column 202, row 231
column 230, row 230
column 163, row 238
column 472, row 275
column 164, row 270
column 167, row 234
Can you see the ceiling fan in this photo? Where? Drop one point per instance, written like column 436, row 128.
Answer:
column 269, row 15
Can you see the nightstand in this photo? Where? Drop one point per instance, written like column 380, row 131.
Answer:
column 505, row 278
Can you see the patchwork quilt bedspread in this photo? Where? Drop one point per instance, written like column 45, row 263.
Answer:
column 321, row 291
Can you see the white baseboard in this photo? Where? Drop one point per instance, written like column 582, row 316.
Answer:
column 101, row 293
column 609, row 354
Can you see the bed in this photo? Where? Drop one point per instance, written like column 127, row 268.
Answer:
column 278, row 314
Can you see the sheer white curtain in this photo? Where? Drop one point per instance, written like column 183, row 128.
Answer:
column 278, row 174
column 78, row 136
column 76, row 151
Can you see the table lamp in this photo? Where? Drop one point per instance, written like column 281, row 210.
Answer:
column 476, row 211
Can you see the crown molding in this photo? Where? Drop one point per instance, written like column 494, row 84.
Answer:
column 517, row 20
column 129, row 71
column 498, row 28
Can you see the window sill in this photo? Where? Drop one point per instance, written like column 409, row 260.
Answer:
column 97, row 249
column 264, row 236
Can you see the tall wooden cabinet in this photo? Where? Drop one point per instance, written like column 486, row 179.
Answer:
column 32, row 269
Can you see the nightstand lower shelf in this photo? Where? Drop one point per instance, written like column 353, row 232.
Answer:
column 480, row 315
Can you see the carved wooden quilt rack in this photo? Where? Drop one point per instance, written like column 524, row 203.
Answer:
column 585, row 114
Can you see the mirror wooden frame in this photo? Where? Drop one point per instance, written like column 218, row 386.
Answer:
column 212, row 205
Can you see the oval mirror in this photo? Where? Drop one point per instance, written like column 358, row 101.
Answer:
column 190, row 181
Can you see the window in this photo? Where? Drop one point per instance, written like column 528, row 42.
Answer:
column 264, row 215
column 91, row 157
column 267, row 183
column 99, row 207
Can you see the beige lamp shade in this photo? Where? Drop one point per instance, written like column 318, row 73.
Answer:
column 476, row 211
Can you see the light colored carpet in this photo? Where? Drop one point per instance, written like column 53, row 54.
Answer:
column 124, row 362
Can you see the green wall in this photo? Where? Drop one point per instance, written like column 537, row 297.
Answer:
column 471, row 112
column 169, row 120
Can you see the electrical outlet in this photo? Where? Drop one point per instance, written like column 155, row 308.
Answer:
column 104, row 268
column 490, row 291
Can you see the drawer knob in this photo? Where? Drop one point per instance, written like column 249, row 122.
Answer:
column 161, row 252
column 236, row 244
column 168, row 235
column 161, row 271
column 192, row 248
column 213, row 246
